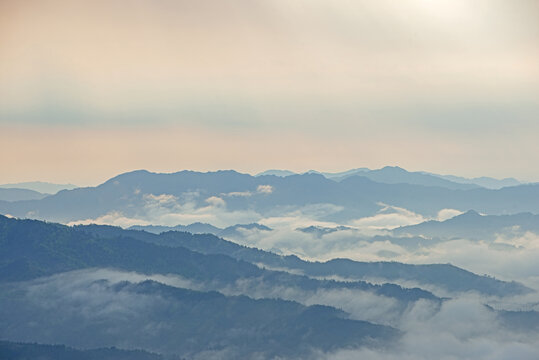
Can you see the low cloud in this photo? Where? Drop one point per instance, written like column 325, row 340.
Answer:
column 510, row 256
column 389, row 217
column 462, row 329
column 446, row 214
column 264, row 189
column 238, row 194
column 170, row 210
column 261, row 189
column 115, row 218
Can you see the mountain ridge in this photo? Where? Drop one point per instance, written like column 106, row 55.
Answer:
column 357, row 196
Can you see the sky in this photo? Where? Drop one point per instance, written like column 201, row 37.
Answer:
column 90, row 89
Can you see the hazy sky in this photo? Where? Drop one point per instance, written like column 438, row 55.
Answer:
column 89, row 89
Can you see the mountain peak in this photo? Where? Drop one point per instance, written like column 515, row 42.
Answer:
column 394, row 168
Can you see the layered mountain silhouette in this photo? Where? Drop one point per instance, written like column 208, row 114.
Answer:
column 208, row 297
column 356, row 196
column 173, row 320
column 32, row 249
column 234, row 231
column 39, row 186
column 445, row 276
column 472, row 225
column 483, row 181
column 18, row 351
column 395, row 174
column 186, row 322
column 20, row 194
column 322, row 230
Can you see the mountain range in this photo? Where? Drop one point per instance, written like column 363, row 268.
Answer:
column 39, row 186
column 472, row 225
column 395, row 174
column 158, row 289
column 445, row 276
column 233, row 231
column 176, row 294
column 36, row 255
column 15, row 194
column 134, row 194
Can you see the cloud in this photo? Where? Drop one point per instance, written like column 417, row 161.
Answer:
column 261, row 189
column 360, row 305
column 238, row 194
column 264, row 189
column 216, row 201
column 462, row 329
column 163, row 199
column 511, row 256
column 170, row 210
column 389, row 217
column 446, row 214
column 115, row 218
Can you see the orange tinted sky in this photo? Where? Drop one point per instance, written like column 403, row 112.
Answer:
column 89, row 89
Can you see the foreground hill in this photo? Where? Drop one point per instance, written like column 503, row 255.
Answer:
column 25, row 351
column 31, row 248
column 42, row 299
column 170, row 320
column 445, row 276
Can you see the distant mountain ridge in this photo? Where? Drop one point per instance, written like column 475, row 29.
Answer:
column 354, row 197
column 484, row 181
column 16, row 194
column 395, row 174
column 40, row 186
column 472, row 225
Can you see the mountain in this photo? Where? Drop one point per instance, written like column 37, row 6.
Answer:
column 484, row 181
column 21, row 351
column 40, row 186
column 20, row 194
column 238, row 231
column 445, row 276
column 322, row 230
column 397, row 175
column 194, row 228
column 170, row 320
column 428, row 200
column 472, row 225
column 37, row 274
column 234, row 231
column 30, row 249
column 340, row 175
column 280, row 173
column 139, row 194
